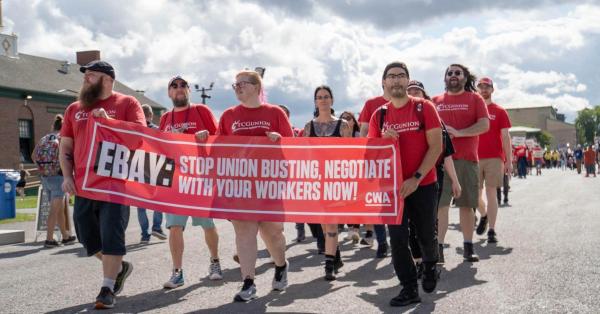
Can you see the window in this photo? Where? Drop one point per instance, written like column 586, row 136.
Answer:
column 26, row 140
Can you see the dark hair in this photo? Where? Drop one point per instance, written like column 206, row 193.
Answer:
column 285, row 109
column 355, row 128
column 471, row 78
column 328, row 89
column 57, row 124
column 395, row 64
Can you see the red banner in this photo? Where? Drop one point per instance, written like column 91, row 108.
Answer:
column 319, row 180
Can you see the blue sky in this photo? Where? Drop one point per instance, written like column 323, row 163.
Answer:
column 538, row 52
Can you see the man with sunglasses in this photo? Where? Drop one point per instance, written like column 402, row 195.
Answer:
column 465, row 115
column 199, row 120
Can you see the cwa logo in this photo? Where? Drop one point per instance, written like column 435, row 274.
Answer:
column 377, row 199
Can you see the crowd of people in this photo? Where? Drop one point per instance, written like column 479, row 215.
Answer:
column 455, row 149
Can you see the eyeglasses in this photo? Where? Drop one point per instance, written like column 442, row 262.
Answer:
column 180, row 85
column 453, row 73
column 241, row 84
column 347, row 118
column 326, row 97
column 395, row 76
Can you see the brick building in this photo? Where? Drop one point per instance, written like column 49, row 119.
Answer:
column 33, row 90
column 545, row 118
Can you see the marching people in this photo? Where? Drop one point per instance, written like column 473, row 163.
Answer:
column 100, row 225
column 326, row 124
column 254, row 117
column 415, row 126
column 195, row 119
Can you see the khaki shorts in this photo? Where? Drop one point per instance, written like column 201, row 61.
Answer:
column 468, row 177
column 491, row 171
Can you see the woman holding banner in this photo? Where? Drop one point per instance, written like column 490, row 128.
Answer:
column 254, row 117
column 326, row 124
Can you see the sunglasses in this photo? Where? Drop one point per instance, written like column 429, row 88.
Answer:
column 453, row 73
column 347, row 118
column 180, row 85
column 240, row 84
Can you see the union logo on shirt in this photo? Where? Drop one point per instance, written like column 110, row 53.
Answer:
column 250, row 125
column 180, row 127
column 492, row 116
column 452, row 107
column 402, row 127
column 83, row 115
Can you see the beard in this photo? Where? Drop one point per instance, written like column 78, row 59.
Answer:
column 88, row 96
column 398, row 92
column 456, row 87
column 177, row 102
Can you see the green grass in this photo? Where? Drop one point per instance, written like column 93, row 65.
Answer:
column 20, row 218
column 29, row 202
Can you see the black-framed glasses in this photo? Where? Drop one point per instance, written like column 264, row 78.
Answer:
column 392, row 76
column 453, row 73
column 326, row 97
column 180, row 85
column 241, row 84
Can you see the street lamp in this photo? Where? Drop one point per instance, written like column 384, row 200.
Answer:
column 26, row 98
column 67, row 90
column 203, row 95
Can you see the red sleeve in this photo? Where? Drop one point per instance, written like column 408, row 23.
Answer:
column 374, row 130
column 285, row 128
column 135, row 113
column 365, row 113
column 222, row 128
column 67, row 128
column 163, row 118
column 209, row 120
column 504, row 120
column 481, row 107
column 431, row 117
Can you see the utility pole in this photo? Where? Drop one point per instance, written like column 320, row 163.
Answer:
column 203, row 95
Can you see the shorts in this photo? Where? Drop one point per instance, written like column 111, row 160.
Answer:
column 468, row 176
column 181, row 220
column 491, row 171
column 53, row 185
column 100, row 226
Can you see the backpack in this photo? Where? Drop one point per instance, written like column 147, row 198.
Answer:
column 46, row 155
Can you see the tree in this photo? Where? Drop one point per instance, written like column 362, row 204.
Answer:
column 543, row 138
column 587, row 123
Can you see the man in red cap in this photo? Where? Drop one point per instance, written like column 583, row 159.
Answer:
column 100, row 225
column 495, row 158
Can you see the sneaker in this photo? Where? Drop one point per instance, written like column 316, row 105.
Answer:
column 105, row 299
column 159, row 234
column 280, row 281
column 430, row 277
column 355, row 237
column 247, row 293
column 214, row 270
column 329, row 270
column 382, row 250
column 483, row 224
column 492, row 236
column 51, row 244
column 419, row 266
column 407, row 296
column 469, row 255
column 441, row 259
column 145, row 240
column 175, row 281
column 126, row 270
column 368, row 239
column 69, row 240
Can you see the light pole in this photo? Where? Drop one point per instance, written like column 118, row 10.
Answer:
column 203, row 95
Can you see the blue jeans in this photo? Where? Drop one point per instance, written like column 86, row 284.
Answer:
column 143, row 219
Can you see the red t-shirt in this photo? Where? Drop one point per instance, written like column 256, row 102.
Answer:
column 521, row 151
column 411, row 141
column 195, row 118
column 241, row 120
column 370, row 106
column 117, row 106
column 460, row 112
column 490, row 142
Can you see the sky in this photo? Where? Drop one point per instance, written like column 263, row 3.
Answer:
column 538, row 52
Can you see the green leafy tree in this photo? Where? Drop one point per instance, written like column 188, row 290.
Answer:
column 586, row 124
column 543, row 138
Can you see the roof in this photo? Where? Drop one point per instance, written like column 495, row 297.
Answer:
column 523, row 129
column 525, row 106
column 40, row 74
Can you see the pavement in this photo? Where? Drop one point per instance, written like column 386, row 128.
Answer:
column 547, row 261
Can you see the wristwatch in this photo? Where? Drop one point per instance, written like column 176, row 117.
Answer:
column 418, row 175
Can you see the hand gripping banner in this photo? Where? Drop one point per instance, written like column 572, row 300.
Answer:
column 317, row 180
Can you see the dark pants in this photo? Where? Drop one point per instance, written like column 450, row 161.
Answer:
column 421, row 209
column 522, row 167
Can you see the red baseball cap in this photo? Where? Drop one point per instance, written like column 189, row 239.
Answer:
column 486, row 80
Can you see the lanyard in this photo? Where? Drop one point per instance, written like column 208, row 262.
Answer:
column 184, row 125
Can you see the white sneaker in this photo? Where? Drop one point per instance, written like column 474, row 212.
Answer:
column 281, row 283
column 175, row 281
column 214, row 270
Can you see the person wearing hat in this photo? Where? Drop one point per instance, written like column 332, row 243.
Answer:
column 100, row 225
column 189, row 119
column 495, row 159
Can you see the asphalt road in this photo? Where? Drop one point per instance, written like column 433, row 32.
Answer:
column 547, row 261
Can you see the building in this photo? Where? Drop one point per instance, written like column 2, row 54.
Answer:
column 545, row 118
column 33, row 90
